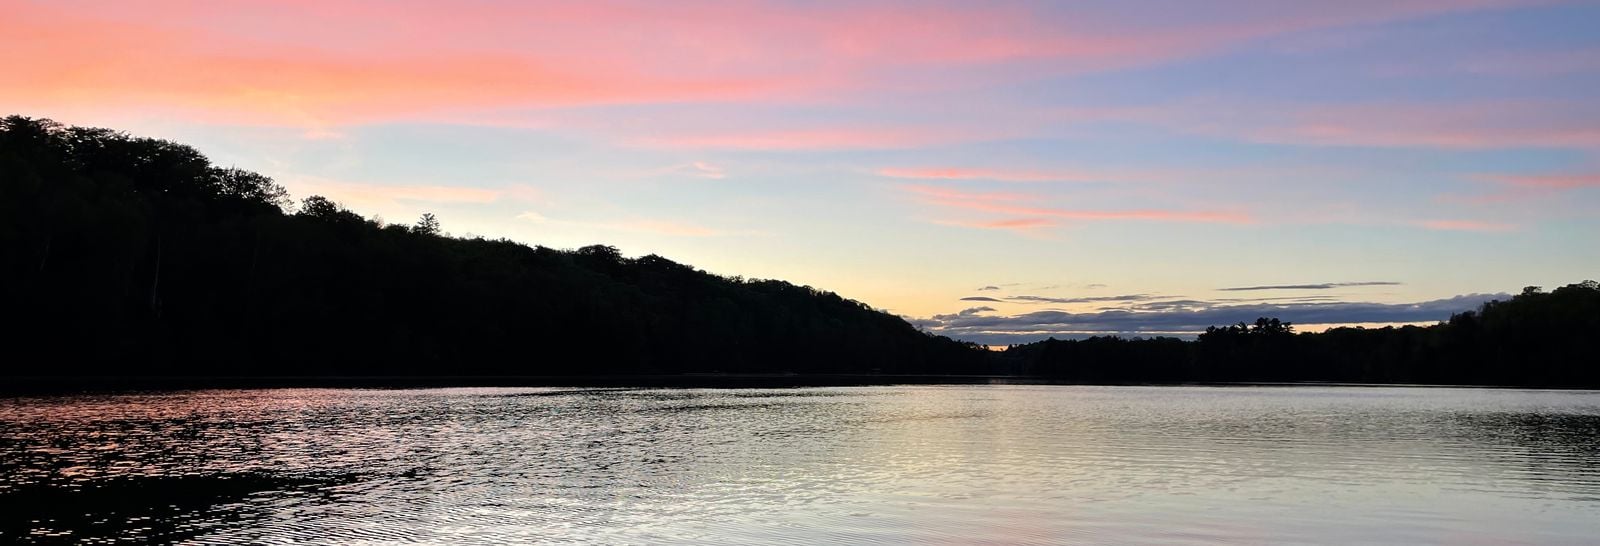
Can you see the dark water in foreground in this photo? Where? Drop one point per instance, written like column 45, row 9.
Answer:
column 959, row 464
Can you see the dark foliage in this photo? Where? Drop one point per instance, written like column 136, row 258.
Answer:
column 137, row 257
column 1536, row 338
column 133, row 256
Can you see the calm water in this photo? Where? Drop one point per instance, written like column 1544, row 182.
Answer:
column 958, row 464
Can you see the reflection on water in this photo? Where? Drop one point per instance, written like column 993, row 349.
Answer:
column 1016, row 464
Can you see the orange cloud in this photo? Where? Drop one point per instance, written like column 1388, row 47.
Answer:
column 61, row 58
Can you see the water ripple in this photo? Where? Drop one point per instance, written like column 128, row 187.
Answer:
column 968, row 464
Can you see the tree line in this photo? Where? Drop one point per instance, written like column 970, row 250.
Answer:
column 135, row 256
column 1536, row 338
column 132, row 256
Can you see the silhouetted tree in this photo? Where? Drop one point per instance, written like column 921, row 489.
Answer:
column 427, row 225
column 251, row 187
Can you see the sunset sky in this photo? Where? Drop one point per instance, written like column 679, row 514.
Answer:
column 996, row 171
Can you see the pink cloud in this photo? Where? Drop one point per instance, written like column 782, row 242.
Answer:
column 1029, row 227
column 67, row 58
column 939, row 193
column 323, row 65
column 835, row 138
column 334, row 62
column 1549, row 181
column 1460, row 125
column 1467, row 225
column 1151, row 215
column 1522, row 187
column 960, row 173
column 1470, row 125
column 1016, row 223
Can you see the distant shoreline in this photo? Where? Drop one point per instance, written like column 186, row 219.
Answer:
column 12, row 386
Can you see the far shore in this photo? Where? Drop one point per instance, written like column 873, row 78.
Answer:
column 113, row 384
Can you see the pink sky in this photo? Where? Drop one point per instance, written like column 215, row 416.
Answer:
column 900, row 153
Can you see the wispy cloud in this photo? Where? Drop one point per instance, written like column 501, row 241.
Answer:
column 1297, row 298
column 1001, row 175
column 1468, row 126
column 1027, row 226
column 1313, row 286
column 983, row 298
column 841, row 137
column 968, row 312
column 1508, row 188
column 698, row 169
column 1090, row 215
column 1465, row 125
column 952, row 194
column 1084, row 299
column 1548, row 181
column 1467, row 225
column 1187, row 317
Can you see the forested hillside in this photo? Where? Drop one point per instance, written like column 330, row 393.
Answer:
column 133, row 256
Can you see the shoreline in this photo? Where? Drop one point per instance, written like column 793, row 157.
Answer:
column 56, row 385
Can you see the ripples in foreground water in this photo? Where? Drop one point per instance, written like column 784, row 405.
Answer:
column 958, row 464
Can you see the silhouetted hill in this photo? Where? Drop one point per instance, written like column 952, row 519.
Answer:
column 137, row 257
column 133, row 256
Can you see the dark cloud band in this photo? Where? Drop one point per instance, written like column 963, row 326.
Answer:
column 1190, row 318
column 1317, row 286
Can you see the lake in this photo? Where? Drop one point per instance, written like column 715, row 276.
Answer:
column 892, row 464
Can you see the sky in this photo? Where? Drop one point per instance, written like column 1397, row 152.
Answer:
column 995, row 171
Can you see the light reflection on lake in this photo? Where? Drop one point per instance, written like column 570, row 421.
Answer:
column 944, row 464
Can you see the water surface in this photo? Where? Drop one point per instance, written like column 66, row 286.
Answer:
column 952, row 464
